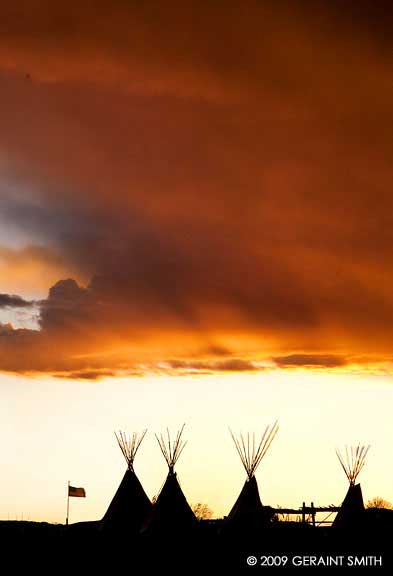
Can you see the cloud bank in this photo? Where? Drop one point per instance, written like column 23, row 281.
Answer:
column 188, row 178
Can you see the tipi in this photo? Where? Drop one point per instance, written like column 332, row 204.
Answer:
column 130, row 505
column 171, row 513
column 352, row 507
column 248, row 508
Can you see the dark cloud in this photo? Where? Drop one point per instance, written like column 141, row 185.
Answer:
column 213, row 365
column 87, row 375
column 14, row 301
column 65, row 308
column 217, row 350
column 310, row 361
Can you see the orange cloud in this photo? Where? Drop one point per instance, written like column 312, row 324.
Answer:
column 203, row 188
column 30, row 269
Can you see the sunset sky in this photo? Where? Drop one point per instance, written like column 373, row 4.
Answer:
column 195, row 226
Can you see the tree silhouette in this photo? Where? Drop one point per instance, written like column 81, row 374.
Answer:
column 202, row 511
column 379, row 502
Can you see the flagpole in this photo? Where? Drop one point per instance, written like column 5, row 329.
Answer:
column 68, row 502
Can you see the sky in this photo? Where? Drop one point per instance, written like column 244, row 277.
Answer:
column 57, row 430
column 195, row 202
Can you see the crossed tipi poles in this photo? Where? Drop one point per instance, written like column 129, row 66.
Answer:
column 251, row 453
column 171, row 514
column 352, row 461
column 129, row 445
column 248, row 508
column 171, row 449
column 130, row 504
column 131, row 507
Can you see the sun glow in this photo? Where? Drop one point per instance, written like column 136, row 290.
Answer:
column 74, row 440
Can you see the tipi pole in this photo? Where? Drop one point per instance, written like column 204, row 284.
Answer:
column 68, row 502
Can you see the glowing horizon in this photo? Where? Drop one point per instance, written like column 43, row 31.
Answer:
column 75, row 441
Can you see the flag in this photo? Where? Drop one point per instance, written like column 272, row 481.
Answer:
column 77, row 492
